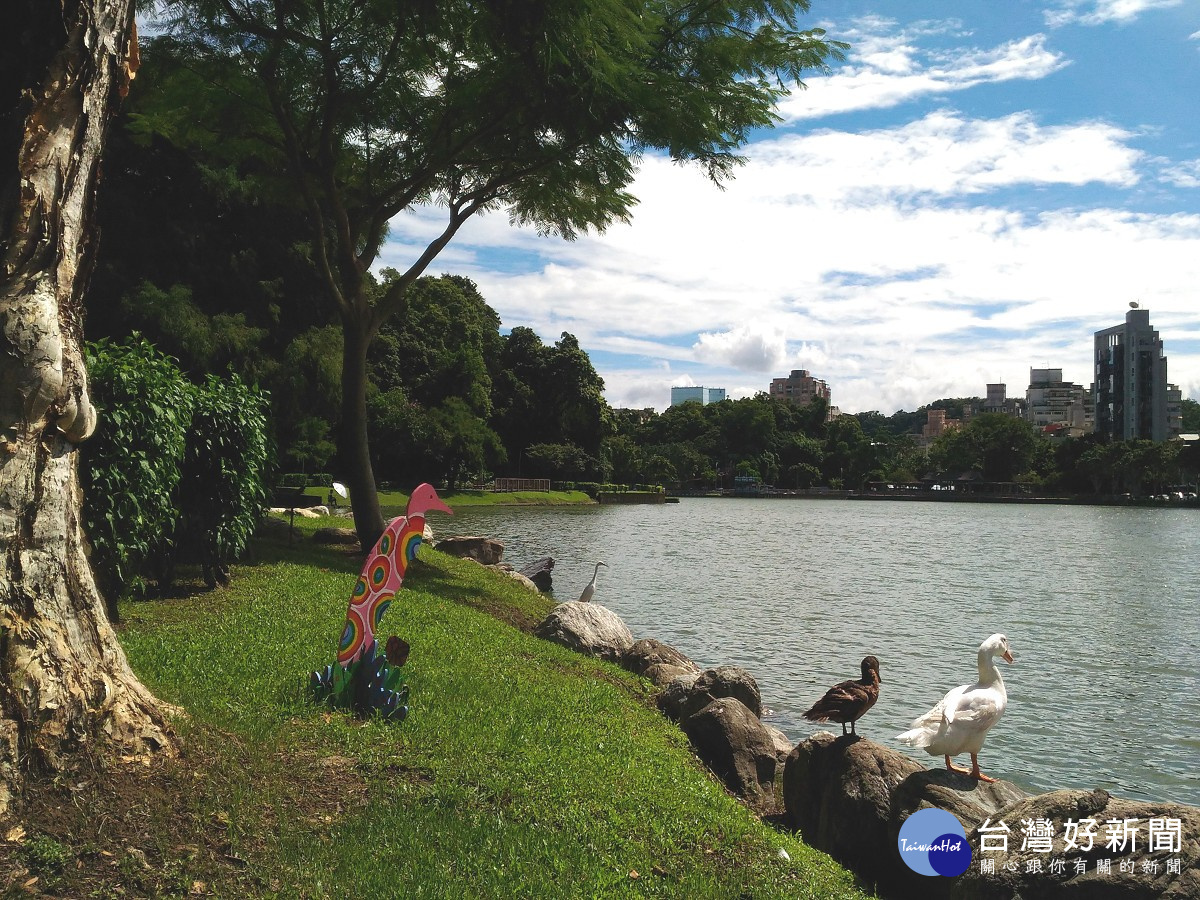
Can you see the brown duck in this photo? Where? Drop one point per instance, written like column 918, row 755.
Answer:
column 848, row 701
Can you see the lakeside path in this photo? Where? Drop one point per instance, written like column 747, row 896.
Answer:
column 523, row 769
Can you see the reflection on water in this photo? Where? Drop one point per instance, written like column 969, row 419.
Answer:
column 1100, row 605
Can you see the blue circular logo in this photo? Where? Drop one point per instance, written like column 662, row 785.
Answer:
column 933, row 842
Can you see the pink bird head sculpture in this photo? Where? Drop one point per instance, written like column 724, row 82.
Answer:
column 384, row 571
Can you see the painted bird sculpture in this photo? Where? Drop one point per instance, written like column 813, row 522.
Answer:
column 960, row 722
column 362, row 679
column 849, row 701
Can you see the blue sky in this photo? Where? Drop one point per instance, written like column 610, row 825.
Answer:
column 977, row 189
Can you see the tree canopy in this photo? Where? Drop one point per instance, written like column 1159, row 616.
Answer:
column 362, row 109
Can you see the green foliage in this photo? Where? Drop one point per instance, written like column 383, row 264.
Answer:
column 223, row 485
column 359, row 111
column 559, row 462
column 549, row 395
column 996, row 446
column 370, row 685
column 445, row 445
column 1191, row 417
column 302, row 480
column 201, row 342
column 446, row 344
column 172, row 467
column 45, row 856
column 132, row 464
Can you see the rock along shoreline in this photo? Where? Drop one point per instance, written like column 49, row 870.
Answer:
column 849, row 796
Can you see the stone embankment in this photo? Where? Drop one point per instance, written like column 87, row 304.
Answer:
column 849, row 796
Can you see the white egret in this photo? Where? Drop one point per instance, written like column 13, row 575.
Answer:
column 591, row 588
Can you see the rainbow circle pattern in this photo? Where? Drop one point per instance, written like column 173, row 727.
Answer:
column 377, row 585
column 352, row 637
column 411, row 541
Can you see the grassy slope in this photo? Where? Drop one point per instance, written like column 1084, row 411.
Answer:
column 523, row 770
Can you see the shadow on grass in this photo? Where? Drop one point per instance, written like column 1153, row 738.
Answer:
column 478, row 595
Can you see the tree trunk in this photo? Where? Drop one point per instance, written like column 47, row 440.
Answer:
column 66, row 689
column 355, row 449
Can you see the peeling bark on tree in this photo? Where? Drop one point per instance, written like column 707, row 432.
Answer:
column 66, row 689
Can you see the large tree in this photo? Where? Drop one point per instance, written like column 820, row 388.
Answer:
column 65, row 684
column 372, row 107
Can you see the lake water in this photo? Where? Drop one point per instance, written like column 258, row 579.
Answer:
column 1100, row 605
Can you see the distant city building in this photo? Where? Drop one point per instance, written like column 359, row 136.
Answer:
column 1174, row 410
column 799, row 388
column 696, row 394
column 998, row 401
column 1061, row 407
column 936, row 425
column 1131, row 381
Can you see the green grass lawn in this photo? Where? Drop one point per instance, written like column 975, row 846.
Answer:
column 523, row 769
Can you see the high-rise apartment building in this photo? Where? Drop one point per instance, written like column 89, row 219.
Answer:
column 1051, row 401
column 696, row 394
column 1174, row 410
column 1131, row 381
column 799, row 388
column 998, row 401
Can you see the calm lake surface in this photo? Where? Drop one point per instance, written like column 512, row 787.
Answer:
column 1099, row 603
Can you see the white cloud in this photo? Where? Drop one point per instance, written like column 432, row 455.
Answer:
column 947, row 154
column 749, row 348
column 1185, row 174
column 1098, row 12
column 887, row 69
column 892, row 254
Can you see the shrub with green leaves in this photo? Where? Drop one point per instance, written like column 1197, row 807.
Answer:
column 223, row 488
column 133, row 462
column 175, row 471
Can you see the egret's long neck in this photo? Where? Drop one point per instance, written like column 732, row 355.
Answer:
column 988, row 673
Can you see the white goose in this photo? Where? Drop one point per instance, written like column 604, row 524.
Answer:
column 959, row 723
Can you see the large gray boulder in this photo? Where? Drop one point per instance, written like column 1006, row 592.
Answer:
column 509, row 572
column 685, row 698
column 485, row 551
column 783, row 744
column 732, row 742
column 1137, row 870
column 269, row 526
column 588, row 628
column 849, row 796
column 674, row 695
column 331, row 535
column 659, row 662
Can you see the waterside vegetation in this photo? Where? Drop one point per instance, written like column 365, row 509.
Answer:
column 522, row 770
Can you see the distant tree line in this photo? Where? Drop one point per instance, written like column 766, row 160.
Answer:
column 219, row 274
column 221, row 279
column 694, row 446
